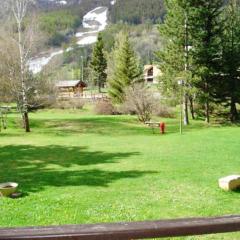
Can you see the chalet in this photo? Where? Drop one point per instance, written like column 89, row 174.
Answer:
column 151, row 74
column 71, row 88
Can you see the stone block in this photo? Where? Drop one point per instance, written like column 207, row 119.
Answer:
column 230, row 183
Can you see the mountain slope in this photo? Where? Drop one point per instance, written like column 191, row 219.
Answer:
column 129, row 11
column 93, row 22
column 137, row 11
column 53, row 4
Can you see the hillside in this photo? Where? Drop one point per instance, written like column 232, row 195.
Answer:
column 62, row 18
column 61, row 23
column 59, row 20
column 53, row 4
column 93, row 22
column 128, row 11
column 137, row 11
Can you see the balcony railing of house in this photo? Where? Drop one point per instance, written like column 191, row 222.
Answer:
column 131, row 230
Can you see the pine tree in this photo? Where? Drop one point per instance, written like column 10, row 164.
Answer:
column 206, row 29
column 99, row 63
column 228, row 92
column 174, row 59
column 126, row 70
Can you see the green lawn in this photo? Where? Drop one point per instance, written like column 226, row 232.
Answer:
column 79, row 168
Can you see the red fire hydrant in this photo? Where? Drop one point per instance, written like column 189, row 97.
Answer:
column 162, row 126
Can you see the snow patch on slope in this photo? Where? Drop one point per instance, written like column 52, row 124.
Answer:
column 59, row 2
column 99, row 16
column 95, row 20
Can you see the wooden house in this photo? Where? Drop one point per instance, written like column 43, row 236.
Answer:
column 71, row 88
column 151, row 74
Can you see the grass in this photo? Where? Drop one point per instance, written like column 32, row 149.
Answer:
column 79, row 168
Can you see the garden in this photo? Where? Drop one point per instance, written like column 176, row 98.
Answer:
column 76, row 167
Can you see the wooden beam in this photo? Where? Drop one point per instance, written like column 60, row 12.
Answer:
column 131, row 230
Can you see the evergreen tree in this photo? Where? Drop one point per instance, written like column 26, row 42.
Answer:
column 99, row 63
column 206, row 29
column 137, row 11
column 228, row 92
column 125, row 68
column 174, row 59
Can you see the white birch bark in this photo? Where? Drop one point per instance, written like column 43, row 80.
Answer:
column 24, row 41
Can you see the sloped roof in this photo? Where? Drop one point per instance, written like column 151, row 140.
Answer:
column 156, row 70
column 68, row 83
column 147, row 67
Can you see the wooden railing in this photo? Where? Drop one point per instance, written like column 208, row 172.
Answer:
column 123, row 231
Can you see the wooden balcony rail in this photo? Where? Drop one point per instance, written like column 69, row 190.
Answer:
column 132, row 230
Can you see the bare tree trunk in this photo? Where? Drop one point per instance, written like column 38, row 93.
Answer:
column 19, row 10
column 99, row 86
column 186, row 116
column 4, row 121
column 233, row 111
column 207, row 104
column 207, row 111
column 192, row 107
column 26, row 122
column 25, row 107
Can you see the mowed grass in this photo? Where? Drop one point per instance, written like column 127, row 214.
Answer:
column 77, row 168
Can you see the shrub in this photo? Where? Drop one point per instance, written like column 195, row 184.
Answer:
column 126, row 109
column 57, row 39
column 42, row 103
column 199, row 109
column 164, row 111
column 69, row 104
column 104, row 107
column 139, row 99
column 77, row 104
column 63, row 105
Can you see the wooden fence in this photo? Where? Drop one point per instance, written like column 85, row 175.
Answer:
column 127, row 231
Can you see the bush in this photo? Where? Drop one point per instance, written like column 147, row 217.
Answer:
column 139, row 99
column 57, row 39
column 126, row 109
column 62, row 105
column 199, row 109
column 70, row 104
column 77, row 104
column 104, row 107
column 164, row 111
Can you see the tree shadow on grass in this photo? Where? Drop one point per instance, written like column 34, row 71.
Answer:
column 24, row 156
column 236, row 190
column 102, row 125
column 37, row 167
column 37, row 181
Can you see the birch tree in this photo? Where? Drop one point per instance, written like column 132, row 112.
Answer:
column 24, row 41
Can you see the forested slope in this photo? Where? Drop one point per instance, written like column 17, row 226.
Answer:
column 137, row 11
column 58, row 22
